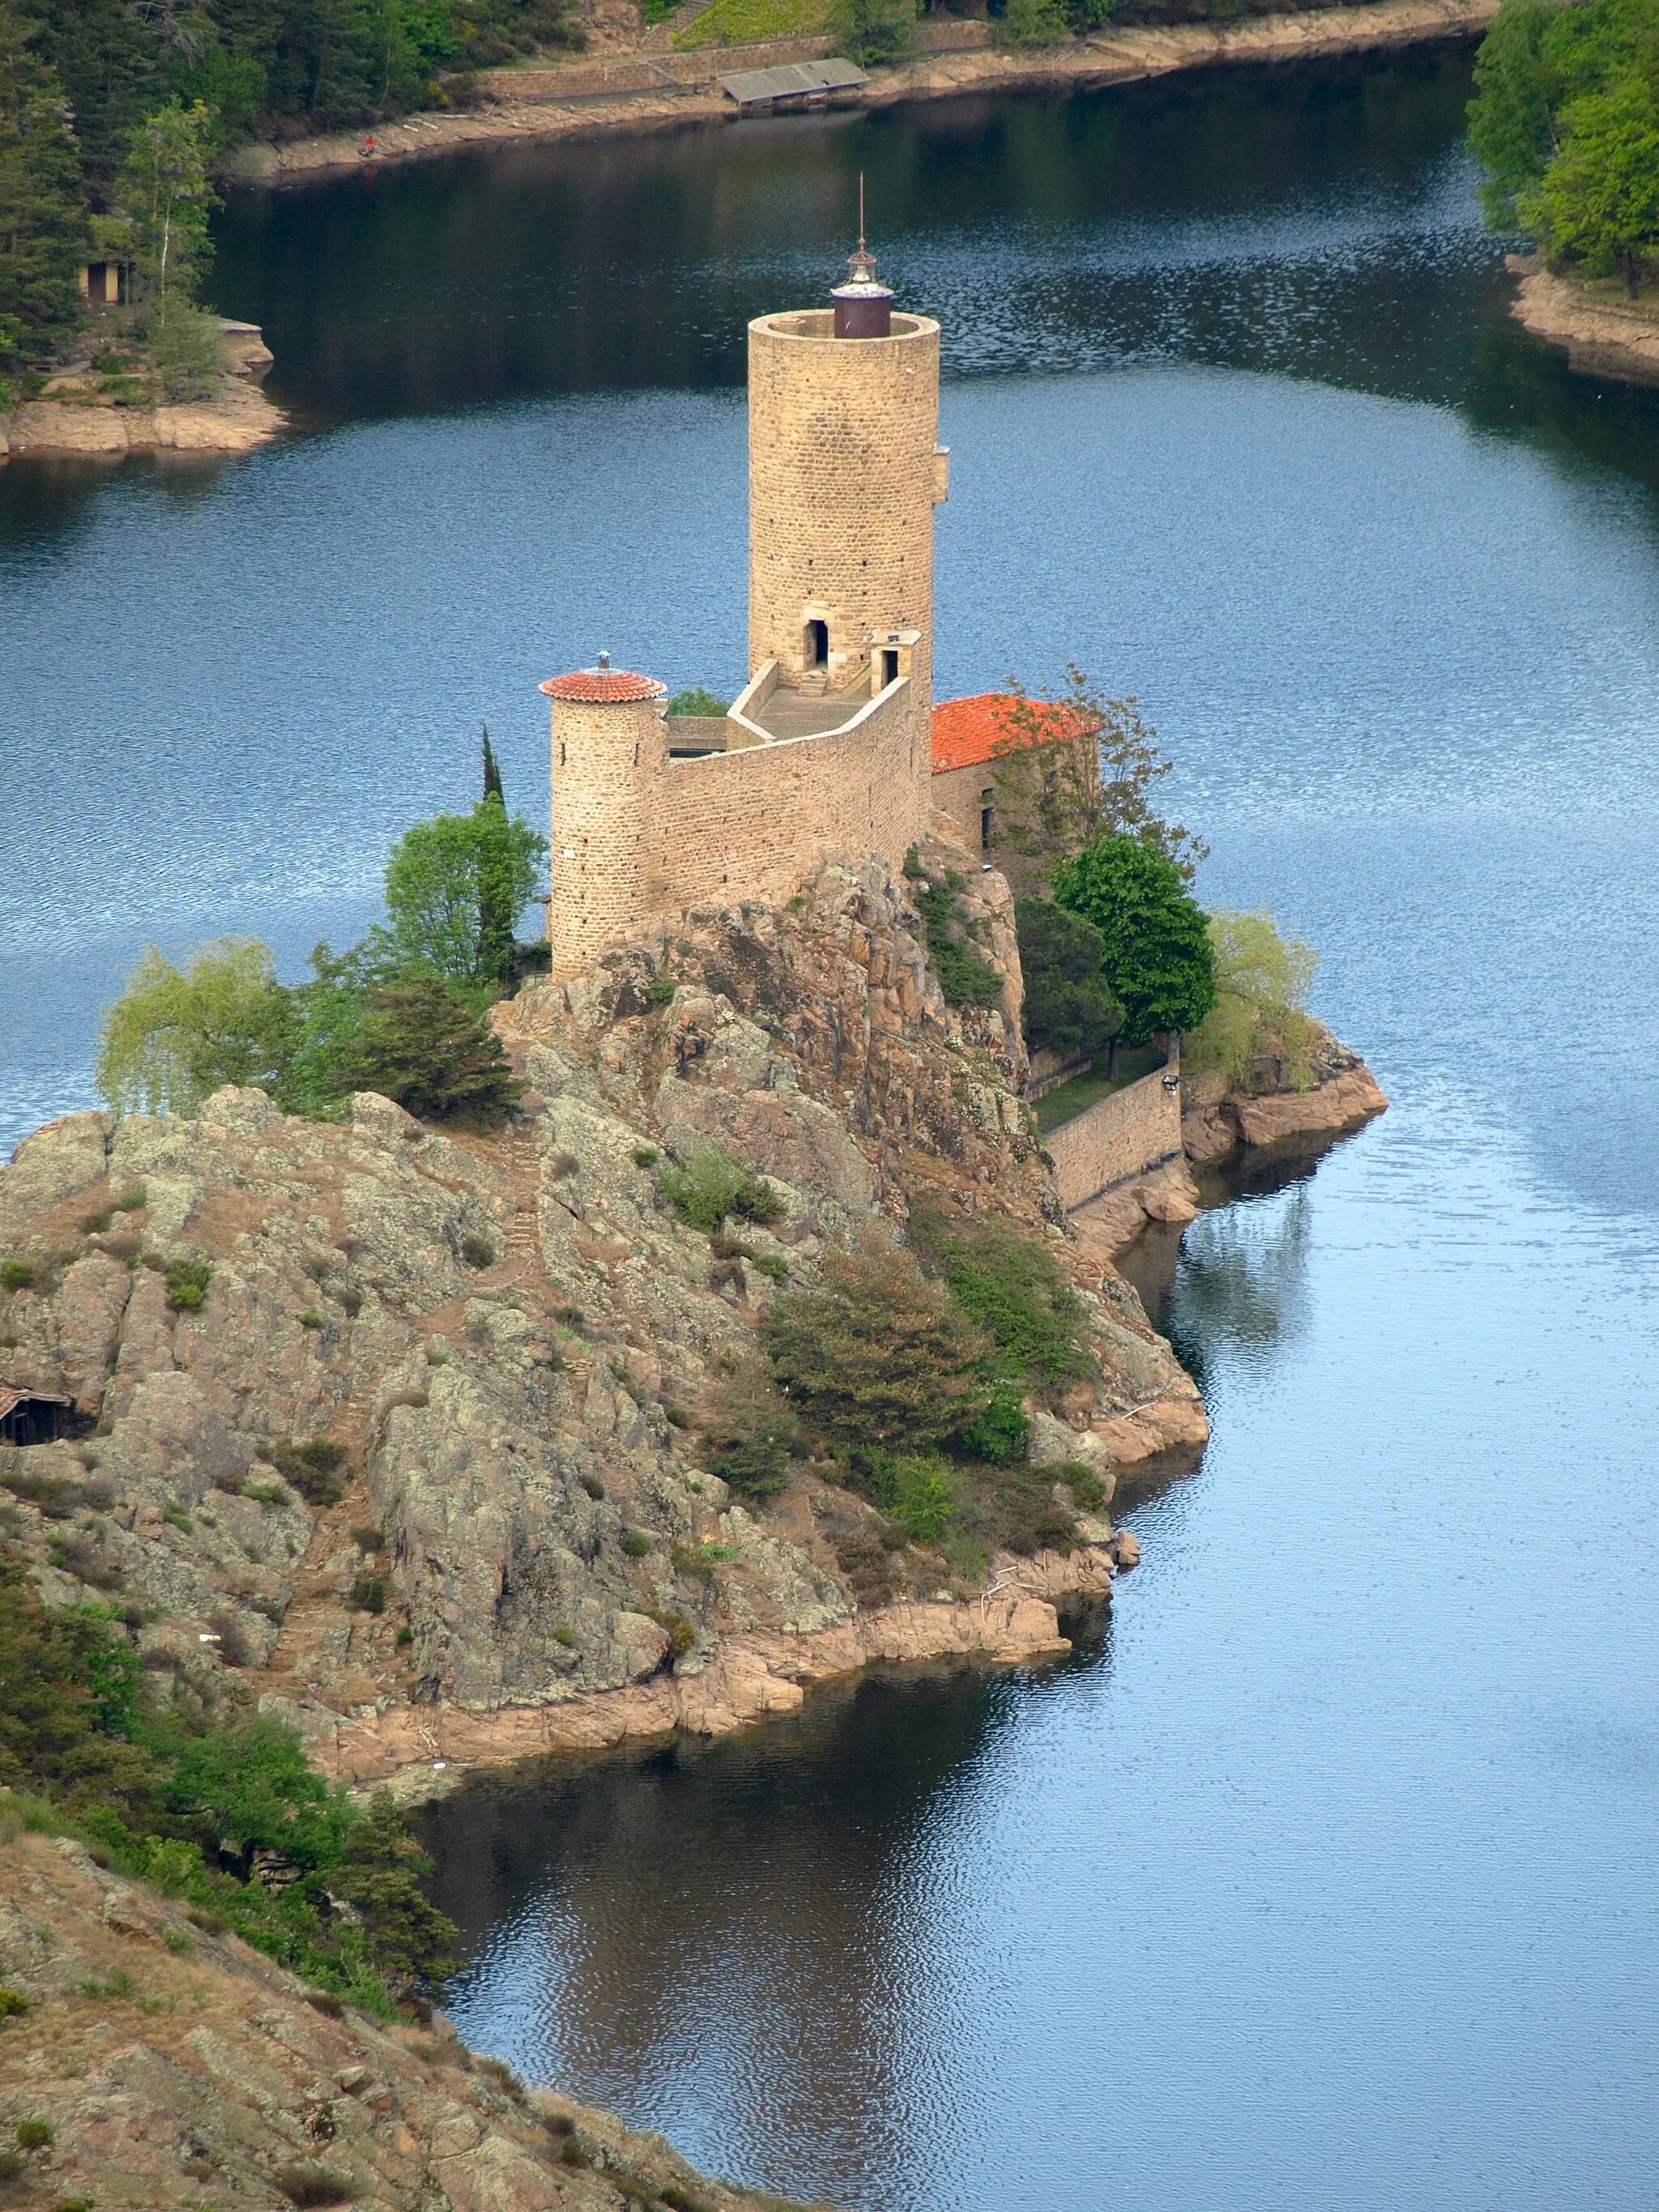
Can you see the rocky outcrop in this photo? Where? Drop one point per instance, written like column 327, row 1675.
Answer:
column 1604, row 331
column 176, row 2068
column 76, row 414
column 400, row 1428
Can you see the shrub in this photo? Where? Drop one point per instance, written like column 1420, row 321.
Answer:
column 11, row 2003
column 878, row 1356
column 1080, row 1479
column 15, row 1274
column 368, row 1593
column 709, row 1186
column 963, row 977
column 660, row 991
column 34, row 2135
column 1069, row 1008
column 311, row 1318
column 681, row 1634
column 566, row 1637
column 316, row 1469
column 636, row 1542
column 1001, row 1432
column 477, row 1251
column 1034, row 23
column 873, row 31
column 702, row 1559
column 1013, row 1288
column 188, row 350
column 645, row 1156
column 405, row 1637
column 696, row 702
column 420, row 1046
column 303, row 2181
column 920, row 1491
column 187, row 1284
column 593, row 1484
column 1261, row 983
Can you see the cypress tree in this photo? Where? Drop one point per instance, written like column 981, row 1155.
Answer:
column 492, row 774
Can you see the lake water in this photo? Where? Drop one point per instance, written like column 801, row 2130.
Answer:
column 1327, row 1879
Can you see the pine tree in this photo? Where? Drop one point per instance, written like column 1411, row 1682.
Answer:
column 492, row 774
column 43, row 210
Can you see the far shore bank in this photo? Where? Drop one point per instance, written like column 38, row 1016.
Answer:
column 1605, row 333
column 551, row 103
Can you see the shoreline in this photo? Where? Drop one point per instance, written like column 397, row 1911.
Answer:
column 1105, row 57
column 84, row 426
column 1603, row 332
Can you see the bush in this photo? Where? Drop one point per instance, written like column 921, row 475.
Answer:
column 303, row 2181
column 1034, row 23
column 869, row 32
column 709, row 1186
column 696, row 700
column 15, row 1274
column 919, row 1491
column 35, row 2135
column 1002, row 1432
column 660, row 991
column 1069, row 1008
column 187, row 1284
column 1012, row 1287
column 315, row 1470
column 188, row 350
column 636, row 1542
column 645, row 1156
column 877, row 1356
column 963, row 977
column 368, row 1593
column 477, row 1251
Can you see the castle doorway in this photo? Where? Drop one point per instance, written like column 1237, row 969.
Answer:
column 818, row 645
column 889, row 666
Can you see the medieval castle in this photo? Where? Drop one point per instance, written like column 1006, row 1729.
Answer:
column 834, row 742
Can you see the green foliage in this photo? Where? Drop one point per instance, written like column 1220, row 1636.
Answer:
column 1563, row 123
column 1261, row 984
column 963, row 977
column 869, row 32
column 1011, row 1287
column 188, row 350
column 43, row 202
column 709, row 1186
column 636, row 1542
column 34, row 2135
column 187, row 1284
column 878, row 1356
column 1001, row 1432
column 738, row 22
column 696, row 700
column 317, row 1468
column 752, row 1432
column 1069, row 1007
column 918, row 1489
column 1157, row 963
column 455, row 888
column 16, row 1274
column 418, row 1045
column 162, row 200
column 176, row 1034
column 1034, row 23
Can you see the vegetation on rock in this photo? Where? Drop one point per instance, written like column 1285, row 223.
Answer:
column 1069, row 1008
column 1261, row 984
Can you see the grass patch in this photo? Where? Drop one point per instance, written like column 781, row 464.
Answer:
column 737, row 22
column 1080, row 1092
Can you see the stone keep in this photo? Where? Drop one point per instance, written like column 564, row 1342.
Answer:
column 608, row 752
column 844, row 469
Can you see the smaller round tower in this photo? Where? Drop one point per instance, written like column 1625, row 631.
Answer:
column 609, row 758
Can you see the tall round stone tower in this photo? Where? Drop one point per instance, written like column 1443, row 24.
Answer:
column 609, row 756
column 844, row 469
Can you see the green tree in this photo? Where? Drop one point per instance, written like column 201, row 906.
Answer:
column 455, row 888
column 751, row 1432
column 1069, row 1007
column 1034, row 23
column 1158, row 961
column 1517, row 87
column 163, row 199
column 1262, row 985
column 249, row 1790
column 1597, row 203
column 43, row 205
column 418, row 1044
column 1074, row 767
column 379, row 1872
column 67, row 1695
column 175, row 1035
column 696, row 702
column 878, row 1356
column 492, row 773
column 873, row 31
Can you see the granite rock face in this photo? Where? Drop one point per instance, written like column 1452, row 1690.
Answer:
column 202, row 2078
column 434, row 1415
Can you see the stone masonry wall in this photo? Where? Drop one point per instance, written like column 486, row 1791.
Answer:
column 1124, row 1135
column 751, row 824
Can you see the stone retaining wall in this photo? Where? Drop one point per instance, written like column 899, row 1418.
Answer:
column 1134, row 1130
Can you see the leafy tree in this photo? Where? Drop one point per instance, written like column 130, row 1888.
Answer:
column 43, row 207
column 67, row 1696
column 163, row 199
column 1069, row 1007
column 455, row 888
column 1073, row 769
column 696, row 702
column 418, row 1044
column 176, row 1034
column 378, row 1871
column 249, row 1789
column 1597, row 203
column 752, row 1432
column 872, row 31
column 1158, row 961
column 1262, row 984
column 877, row 1356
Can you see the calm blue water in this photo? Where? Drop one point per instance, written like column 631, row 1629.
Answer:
column 1328, row 1880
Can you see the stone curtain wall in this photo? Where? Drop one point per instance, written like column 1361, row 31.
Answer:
column 1124, row 1135
column 752, row 824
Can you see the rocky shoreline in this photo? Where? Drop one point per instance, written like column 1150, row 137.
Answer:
column 1106, row 56
column 75, row 416
column 1605, row 333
